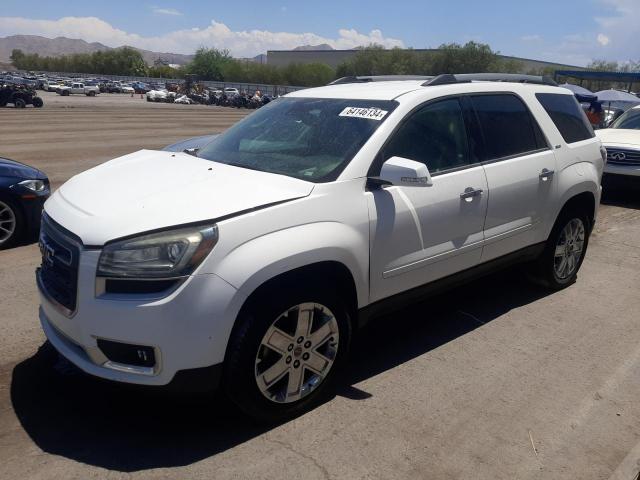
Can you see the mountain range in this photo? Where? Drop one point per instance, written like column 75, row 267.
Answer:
column 55, row 47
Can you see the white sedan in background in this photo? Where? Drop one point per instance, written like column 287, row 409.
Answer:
column 622, row 141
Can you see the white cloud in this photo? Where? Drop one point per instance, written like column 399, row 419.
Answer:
column 239, row 43
column 531, row 38
column 619, row 30
column 165, row 11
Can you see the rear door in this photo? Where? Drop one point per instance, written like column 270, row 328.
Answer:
column 520, row 166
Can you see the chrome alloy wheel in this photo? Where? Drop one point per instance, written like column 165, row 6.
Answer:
column 297, row 352
column 569, row 249
column 7, row 222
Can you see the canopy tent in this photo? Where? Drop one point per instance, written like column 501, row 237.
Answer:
column 628, row 78
column 577, row 89
column 616, row 96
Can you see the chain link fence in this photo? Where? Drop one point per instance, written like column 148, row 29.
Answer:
column 271, row 90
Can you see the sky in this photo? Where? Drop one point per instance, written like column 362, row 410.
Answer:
column 565, row 31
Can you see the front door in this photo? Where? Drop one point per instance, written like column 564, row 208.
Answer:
column 420, row 234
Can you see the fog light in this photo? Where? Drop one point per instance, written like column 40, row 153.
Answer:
column 128, row 354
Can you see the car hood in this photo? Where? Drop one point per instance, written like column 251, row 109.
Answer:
column 11, row 168
column 150, row 190
column 619, row 136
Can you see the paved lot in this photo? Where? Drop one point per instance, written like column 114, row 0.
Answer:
column 495, row 380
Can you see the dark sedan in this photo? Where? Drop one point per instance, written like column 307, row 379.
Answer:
column 23, row 191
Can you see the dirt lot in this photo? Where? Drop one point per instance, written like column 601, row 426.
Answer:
column 86, row 131
column 495, row 380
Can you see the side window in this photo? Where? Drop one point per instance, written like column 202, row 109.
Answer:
column 567, row 115
column 434, row 135
column 507, row 126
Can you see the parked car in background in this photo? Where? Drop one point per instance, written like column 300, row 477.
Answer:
column 111, row 87
column 231, row 92
column 160, row 96
column 54, row 85
column 140, row 87
column 127, row 89
column 301, row 222
column 78, row 89
column 622, row 141
column 23, row 191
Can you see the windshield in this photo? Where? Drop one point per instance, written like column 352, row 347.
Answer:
column 308, row 138
column 629, row 119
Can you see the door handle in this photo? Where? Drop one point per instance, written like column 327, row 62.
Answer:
column 546, row 174
column 469, row 193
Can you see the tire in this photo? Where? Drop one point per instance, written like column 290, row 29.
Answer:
column 91, row 94
column 37, row 102
column 19, row 103
column 249, row 359
column 558, row 265
column 10, row 219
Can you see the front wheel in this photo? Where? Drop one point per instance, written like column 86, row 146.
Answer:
column 285, row 353
column 37, row 102
column 11, row 224
column 558, row 265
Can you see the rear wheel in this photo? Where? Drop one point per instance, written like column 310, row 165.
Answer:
column 565, row 250
column 285, row 353
column 19, row 103
column 91, row 93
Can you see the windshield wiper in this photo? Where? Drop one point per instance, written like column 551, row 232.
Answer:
column 241, row 165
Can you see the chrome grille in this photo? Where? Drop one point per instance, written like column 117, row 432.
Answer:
column 623, row 156
column 58, row 274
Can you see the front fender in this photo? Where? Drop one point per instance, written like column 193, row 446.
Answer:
column 253, row 263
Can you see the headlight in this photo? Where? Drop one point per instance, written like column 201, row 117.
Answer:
column 33, row 185
column 169, row 254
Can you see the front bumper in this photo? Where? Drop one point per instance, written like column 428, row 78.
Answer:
column 616, row 169
column 187, row 329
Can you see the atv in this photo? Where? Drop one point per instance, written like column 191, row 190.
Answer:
column 19, row 95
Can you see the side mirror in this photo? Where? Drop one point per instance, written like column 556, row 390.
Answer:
column 404, row 172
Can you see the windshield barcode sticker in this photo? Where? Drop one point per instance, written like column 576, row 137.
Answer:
column 370, row 113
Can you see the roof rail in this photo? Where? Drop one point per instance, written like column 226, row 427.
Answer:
column 378, row 78
column 447, row 78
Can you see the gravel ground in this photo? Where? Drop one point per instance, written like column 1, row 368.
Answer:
column 494, row 380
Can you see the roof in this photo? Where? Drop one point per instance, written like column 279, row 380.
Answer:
column 362, row 91
column 390, row 90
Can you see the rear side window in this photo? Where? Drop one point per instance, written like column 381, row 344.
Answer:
column 567, row 115
column 507, row 126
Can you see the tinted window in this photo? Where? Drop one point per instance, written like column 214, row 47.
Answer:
column 629, row 119
column 507, row 126
column 308, row 138
column 567, row 115
column 434, row 135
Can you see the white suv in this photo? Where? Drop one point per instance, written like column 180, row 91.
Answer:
column 251, row 264
column 622, row 141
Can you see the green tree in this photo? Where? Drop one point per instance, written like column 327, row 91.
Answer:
column 209, row 63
